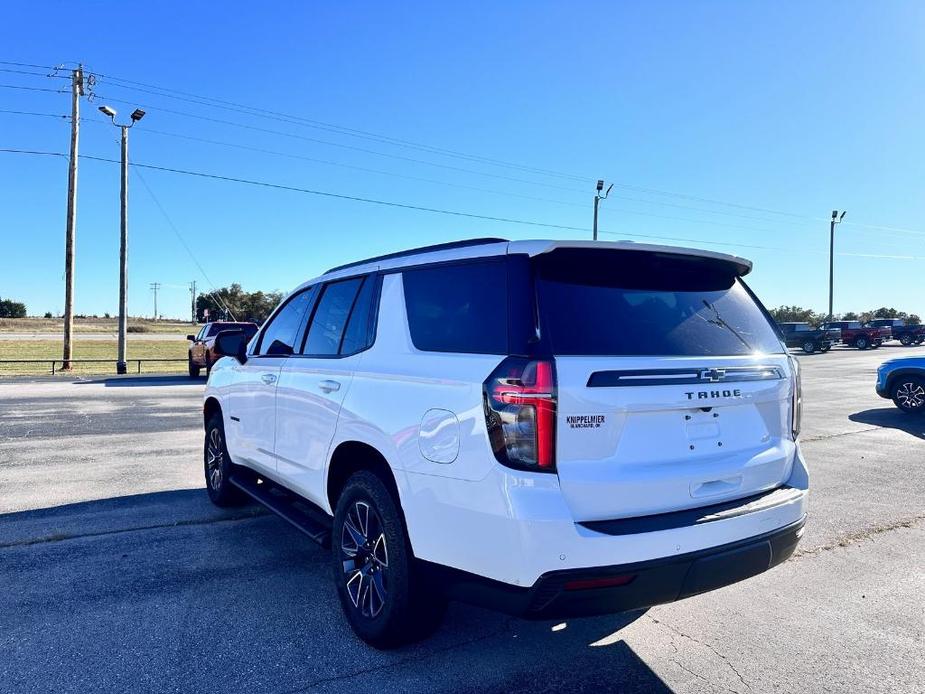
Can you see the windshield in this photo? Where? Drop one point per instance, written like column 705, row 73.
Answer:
column 594, row 302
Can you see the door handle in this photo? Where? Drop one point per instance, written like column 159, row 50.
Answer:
column 329, row 386
column 269, row 379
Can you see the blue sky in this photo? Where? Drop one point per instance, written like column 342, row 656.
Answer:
column 794, row 108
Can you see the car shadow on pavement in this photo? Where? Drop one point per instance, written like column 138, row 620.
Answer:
column 892, row 418
column 144, row 381
column 150, row 588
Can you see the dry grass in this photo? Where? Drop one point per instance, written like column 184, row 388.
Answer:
column 91, row 325
column 93, row 349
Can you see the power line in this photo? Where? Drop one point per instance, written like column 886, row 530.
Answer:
column 34, row 113
column 179, row 236
column 32, row 73
column 328, row 162
column 329, row 127
column 32, row 151
column 32, row 89
column 40, row 67
column 341, row 145
column 276, row 186
column 353, row 167
column 300, row 120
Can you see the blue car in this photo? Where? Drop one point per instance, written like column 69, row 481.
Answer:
column 903, row 382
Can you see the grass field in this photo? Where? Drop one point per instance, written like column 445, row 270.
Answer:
column 138, row 348
column 92, row 325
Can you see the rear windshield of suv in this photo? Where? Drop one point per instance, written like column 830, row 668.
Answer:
column 601, row 302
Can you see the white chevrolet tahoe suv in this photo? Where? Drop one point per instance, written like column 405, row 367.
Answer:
column 549, row 428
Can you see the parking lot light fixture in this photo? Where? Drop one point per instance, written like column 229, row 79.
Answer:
column 136, row 116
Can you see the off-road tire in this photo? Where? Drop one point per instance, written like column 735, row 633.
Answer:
column 193, row 369
column 380, row 587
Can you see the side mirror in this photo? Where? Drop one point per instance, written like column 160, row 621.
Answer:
column 231, row 343
column 191, row 338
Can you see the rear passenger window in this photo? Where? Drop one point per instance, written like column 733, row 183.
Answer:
column 280, row 335
column 327, row 327
column 359, row 330
column 458, row 308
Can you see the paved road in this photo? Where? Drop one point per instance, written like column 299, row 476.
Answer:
column 119, row 576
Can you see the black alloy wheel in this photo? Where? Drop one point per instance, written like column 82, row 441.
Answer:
column 217, row 465
column 908, row 394
column 381, row 589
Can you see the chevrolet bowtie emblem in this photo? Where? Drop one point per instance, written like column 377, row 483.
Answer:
column 713, row 375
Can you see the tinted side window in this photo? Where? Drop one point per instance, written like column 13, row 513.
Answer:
column 358, row 335
column 458, row 308
column 280, row 335
column 327, row 327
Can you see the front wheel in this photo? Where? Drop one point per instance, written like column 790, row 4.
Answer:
column 217, row 465
column 905, row 340
column 862, row 343
column 909, row 394
column 380, row 589
column 193, row 369
column 809, row 346
column 826, row 347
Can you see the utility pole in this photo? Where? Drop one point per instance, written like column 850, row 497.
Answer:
column 77, row 90
column 136, row 116
column 835, row 220
column 597, row 199
column 154, row 287
column 192, row 291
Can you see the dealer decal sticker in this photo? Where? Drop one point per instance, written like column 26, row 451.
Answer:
column 585, row 421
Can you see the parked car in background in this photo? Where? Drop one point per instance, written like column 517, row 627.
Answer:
column 408, row 411
column 201, row 352
column 900, row 330
column 855, row 334
column 808, row 338
column 903, row 382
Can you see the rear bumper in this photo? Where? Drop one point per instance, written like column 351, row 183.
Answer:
column 572, row 593
column 515, row 528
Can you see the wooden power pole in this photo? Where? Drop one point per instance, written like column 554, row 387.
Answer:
column 77, row 90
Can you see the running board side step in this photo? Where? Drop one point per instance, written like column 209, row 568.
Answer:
column 300, row 512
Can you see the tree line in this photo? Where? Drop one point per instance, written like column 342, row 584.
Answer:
column 233, row 303
column 798, row 314
column 12, row 309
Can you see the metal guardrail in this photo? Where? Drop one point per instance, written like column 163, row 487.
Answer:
column 55, row 362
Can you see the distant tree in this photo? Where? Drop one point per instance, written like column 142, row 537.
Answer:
column 914, row 319
column 796, row 314
column 48, row 314
column 253, row 306
column 12, row 309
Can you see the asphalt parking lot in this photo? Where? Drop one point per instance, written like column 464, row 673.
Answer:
column 118, row 575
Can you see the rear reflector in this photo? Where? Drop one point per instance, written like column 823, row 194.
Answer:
column 605, row 582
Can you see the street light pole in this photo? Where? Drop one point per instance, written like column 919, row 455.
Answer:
column 835, row 220
column 597, row 200
column 121, row 366
column 137, row 115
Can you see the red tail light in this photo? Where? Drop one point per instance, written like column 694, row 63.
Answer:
column 520, row 411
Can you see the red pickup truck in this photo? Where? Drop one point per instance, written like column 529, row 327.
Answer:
column 854, row 334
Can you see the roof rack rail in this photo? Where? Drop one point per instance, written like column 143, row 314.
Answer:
column 423, row 249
